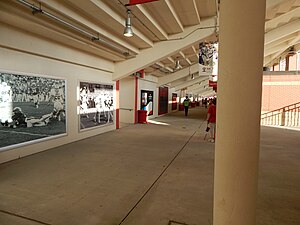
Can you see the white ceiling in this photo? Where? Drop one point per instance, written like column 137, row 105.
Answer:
column 164, row 31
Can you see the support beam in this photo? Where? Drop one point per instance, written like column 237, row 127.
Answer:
column 144, row 12
column 60, row 7
column 179, row 24
column 190, row 83
column 282, row 19
column 185, row 58
column 165, row 67
column 164, row 49
column 178, row 75
column 237, row 158
column 199, row 87
column 282, row 31
column 276, row 55
column 204, row 92
column 195, row 51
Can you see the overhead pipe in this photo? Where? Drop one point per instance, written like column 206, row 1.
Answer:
column 36, row 9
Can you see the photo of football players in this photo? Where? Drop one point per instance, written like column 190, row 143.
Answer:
column 96, row 105
column 31, row 106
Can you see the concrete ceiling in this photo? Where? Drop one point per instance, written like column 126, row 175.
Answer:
column 164, row 31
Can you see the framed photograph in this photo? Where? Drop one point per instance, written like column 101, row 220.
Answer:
column 96, row 105
column 32, row 108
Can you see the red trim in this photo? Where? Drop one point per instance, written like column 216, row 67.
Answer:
column 158, row 102
column 135, row 2
column 212, row 83
column 117, row 104
column 136, row 100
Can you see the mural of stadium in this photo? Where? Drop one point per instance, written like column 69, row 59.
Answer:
column 32, row 107
column 96, row 105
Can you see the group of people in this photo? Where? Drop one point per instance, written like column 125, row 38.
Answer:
column 211, row 115
column 27, row 89
column 97, row 102
column 19, row 119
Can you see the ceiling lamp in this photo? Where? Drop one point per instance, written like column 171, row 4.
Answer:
column 128, row 31
column 177, row 65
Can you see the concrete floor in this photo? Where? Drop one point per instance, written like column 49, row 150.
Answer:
column 144, row 174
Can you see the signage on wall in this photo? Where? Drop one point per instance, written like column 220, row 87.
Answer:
column 147, row 101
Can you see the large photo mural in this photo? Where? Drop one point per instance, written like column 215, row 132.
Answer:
column 32, row 107
column 96, row 107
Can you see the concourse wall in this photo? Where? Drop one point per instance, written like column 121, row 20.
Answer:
column 25, row 53
column 280, row 89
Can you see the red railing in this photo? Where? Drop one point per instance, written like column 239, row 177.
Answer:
column 285, row 116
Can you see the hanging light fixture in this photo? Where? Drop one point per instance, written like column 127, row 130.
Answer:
column 177, row 65
column 192, row 75
column 128, row 31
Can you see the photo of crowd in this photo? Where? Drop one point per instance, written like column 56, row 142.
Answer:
column 96, row 105
column 31, row 108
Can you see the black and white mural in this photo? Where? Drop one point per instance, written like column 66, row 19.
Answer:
column 32, row 107
column 96, row 105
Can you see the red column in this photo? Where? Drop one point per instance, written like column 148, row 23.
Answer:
column 117, row 104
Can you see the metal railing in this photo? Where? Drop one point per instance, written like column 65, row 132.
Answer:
column 285, row 116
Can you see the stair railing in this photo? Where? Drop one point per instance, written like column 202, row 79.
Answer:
column 285, row 116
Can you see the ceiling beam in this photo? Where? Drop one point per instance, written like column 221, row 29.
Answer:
column 274, row 44
column 185, row 58
column 147, row 15
column 178, row 75
column 179, row 24
column 196, row 10
column 102, row 6
column 279, row 7
column 199, row 86
column 206, row 90
column 276, row 55
column 283, row 31
column 195, row 51
column 164, row 49
column 282, row 19
column 165, row 67
column 61, row 8
column 190, row 83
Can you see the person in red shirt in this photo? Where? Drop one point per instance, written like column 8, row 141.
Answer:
column 211, row 119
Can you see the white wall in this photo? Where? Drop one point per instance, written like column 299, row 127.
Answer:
column 127, row 100
column 23, row 52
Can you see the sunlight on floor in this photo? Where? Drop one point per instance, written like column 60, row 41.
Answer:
column 284, row 127
column 158, row 123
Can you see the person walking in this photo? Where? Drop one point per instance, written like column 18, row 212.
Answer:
column 186, row 104
column 211, row 119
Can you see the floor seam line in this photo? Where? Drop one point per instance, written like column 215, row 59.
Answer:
column 161, row 174
column 23, row 217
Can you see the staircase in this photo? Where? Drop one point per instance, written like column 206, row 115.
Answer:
column 285, row 116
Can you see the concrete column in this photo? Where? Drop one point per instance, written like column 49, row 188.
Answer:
column 238, row 111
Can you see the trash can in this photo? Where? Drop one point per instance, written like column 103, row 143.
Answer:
column 142, row 116
column 181, row 107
